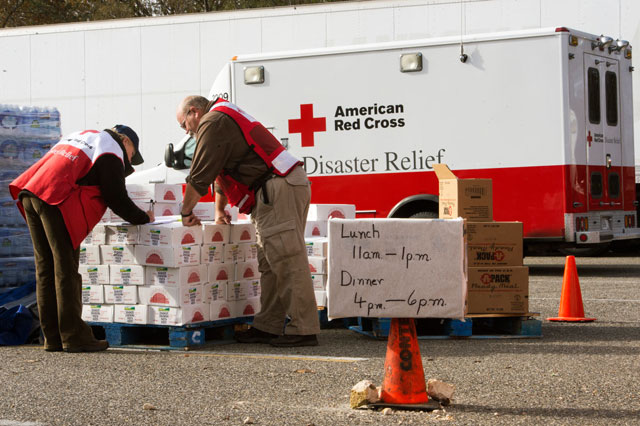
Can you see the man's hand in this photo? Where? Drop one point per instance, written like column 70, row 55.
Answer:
column 223, row 217
column 191, row 220
column 152, row 216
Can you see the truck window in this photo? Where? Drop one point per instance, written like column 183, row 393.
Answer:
column 614, row 185
column 593, row 87
column 189, row 149
column 611, row 97
column 596, row 185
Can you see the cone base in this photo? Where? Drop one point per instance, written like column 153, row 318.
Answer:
column 572, row 319
column 426, row 406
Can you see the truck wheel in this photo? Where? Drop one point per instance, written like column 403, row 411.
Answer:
column 424, row 215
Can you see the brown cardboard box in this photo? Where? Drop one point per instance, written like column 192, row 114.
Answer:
column 494, row 243
column 502, row 290
column 468, row 198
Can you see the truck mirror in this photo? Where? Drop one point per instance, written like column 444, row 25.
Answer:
column 169, row 156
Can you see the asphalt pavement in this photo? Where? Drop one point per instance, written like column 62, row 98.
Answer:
column 576, row 374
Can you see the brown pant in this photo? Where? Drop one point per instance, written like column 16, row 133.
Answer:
column 58, row 283
column 286, row 283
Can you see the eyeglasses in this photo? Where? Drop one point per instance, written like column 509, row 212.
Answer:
column 184, row 122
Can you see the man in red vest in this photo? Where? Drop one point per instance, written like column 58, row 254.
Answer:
column 62, row 197
column 254, row 172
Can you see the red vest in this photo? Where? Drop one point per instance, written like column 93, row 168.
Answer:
column 263, row 143
column 54, row 179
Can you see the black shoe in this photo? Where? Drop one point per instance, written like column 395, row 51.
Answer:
column 95, row 346
column 253, row 335
column 53, row 348
column 294, row 340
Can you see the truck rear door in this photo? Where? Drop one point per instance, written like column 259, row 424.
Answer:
column 604, row 148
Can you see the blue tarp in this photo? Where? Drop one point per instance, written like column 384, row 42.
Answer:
column 16, row 320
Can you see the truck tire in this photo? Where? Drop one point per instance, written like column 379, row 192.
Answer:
column 424, row 215
column 592, row 251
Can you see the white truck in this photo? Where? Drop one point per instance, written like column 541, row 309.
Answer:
column 546, row 114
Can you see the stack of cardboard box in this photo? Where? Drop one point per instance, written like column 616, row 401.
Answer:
column 498, row 283
column 166, row 273
column 317, row 242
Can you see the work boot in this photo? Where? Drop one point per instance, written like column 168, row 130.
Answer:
column 53, row 348
column 294, row 340
column 95, row 346
column 253, row 335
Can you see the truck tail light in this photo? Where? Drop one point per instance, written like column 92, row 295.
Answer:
column 573, row 40
column 627, row 53
column 582, row 224
column 629, row 221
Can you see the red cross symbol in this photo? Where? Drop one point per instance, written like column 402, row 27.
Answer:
column 307, row 125
column 589, row 138
column 499, row 255
column 486, row 279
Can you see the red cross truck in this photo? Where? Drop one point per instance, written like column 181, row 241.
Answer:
column 546, row 114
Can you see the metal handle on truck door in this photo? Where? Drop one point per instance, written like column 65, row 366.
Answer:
column 613, row 203
column 608, row 161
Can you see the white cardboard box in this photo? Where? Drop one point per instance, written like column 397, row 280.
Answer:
column 169, row 256
column 328, row 211
column 94, row 274
column 171, row 296
column 242, row 232
column 97, row 236
column 247, row 270
column 319, row 281
column 317, row 246
column 165, row 315
column 90, row 255
column 215, row 291
column 92, row 294
column 321, row 298
column 253, row 288
column 121, row 234
column 221, row 309
column 205, row 210
column 118, row 254
column 166, row 209
column 131, row 314
column 212, row 253
column 118, row 293
column 172, row 277
column 159, row 192
column 222, row 272
column 97, row 313
column 170, row 234
column 215, row 233
column 127, row 274
column 247, row 308
column 233, row 253
column 236, row 290
column 317, row 264
column 315, row 228
column 250, row 251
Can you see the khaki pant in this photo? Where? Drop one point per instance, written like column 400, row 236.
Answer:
column 286, row 283
column 58, row 283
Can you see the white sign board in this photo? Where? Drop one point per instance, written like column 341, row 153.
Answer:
column 397, row 268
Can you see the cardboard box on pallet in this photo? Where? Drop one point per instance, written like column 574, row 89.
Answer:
column 97, row 313
column 172, row 277
column 94, row 274
column 92, row 293
column 212, row 253
column 233, row 253
column 247, row 308
column 159, row 192
column 253, row 288
column 236, row 290
column 501, row 290
column 249, row 251
column 97, row 236
column 221, row 309
column 471, row 199
column 205, row 210
column 121, row 234
column 164, row 315
column 171, row 296
column 131, row 314
column 90, row 255
column 323, row 212
column 215, row 233
column 317, row 246
column 222, row 272
column 214, row 292
column 170, row 234
column 119, row 294
column 119, row 254
column 321, row 298
column 247, row 270
column 166, row 209
column 315, row 228
column 169, row 256
column 242, row 232
column 317, row 265
column 126, row 274
column 494, row 243
column 319, row 281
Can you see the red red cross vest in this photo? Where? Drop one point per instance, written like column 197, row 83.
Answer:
column 263, row 143
column 53, row 179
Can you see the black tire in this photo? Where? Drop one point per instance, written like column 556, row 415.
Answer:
column 424, row 215
column 591, row 251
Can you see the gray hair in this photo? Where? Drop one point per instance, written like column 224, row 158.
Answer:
column 200, row 102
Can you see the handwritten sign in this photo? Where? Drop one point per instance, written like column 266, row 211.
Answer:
column 396, row 268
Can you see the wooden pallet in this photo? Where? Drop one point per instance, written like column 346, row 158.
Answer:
column 151, row 336
column 499, row 326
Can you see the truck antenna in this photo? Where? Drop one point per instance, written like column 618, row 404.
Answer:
column 463, row 56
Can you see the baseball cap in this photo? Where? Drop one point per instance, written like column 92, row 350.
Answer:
column 128, row 132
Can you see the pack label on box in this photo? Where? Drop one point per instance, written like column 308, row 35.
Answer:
column 127, row 274
column 494, row 243
column 212, row 253
column 233, row 253
column 185, row 275
column 168, row 255
column 131, row 314
column 97, row 313
column 122, row 234
column 118, row 254
column 215, row 233
column 94, row 274
column 397, row 268
column 215, row 292
column 498, row 290
column 92, row 294
column 90, row 255
column 253, row 288
column 249, row 251
column 178, row 316
column 119, row 293
column 170, row 234
column 237, row 290
column 97, row 236
column 317, row 246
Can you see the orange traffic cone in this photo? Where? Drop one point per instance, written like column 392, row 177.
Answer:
column 571, row 298
column 403, row 374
